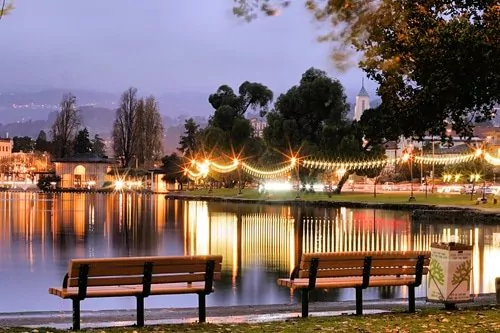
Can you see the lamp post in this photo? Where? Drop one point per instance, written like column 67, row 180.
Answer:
column 238, row 165
column 295, row 164
column 480, row 154
column 432, row 188
column 407, row 157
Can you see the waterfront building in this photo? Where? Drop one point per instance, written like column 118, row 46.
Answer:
column 258, row 125
column 83, row 170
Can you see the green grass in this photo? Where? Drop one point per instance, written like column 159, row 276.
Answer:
column 461, row 200
column 480, row 319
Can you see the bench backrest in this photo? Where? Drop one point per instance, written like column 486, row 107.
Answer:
column 350, row 264
column 102, row 272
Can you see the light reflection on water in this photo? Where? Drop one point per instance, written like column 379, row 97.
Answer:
column 39, row 233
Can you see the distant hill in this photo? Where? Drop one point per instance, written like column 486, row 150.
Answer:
column 53, row 97
column 36, row 105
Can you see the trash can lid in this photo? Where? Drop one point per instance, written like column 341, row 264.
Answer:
column 452, row 246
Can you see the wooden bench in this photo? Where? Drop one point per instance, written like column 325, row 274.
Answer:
column 139, row 277
column 358, row 270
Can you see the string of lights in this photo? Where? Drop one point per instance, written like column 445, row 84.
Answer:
column 203, row 168
column 491, row 159
column 267, row 173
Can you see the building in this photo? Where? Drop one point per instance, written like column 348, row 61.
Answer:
column 258, row 125
column 6, row 147
column 362, row 102
column 83, row 170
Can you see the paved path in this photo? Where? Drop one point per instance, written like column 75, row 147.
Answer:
column 231, row 314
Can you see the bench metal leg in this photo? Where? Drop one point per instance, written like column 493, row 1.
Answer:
column 359, row 301
column 305, row 303
column 140, row 311
column 411, row 298
column 202, row 308
column 76, row 314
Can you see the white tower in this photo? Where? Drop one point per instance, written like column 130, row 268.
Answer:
column 362, row 102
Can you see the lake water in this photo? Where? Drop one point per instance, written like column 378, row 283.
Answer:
column 40, row 233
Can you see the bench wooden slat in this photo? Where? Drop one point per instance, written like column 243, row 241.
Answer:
column 135, row 280
column 129, row 291
column 306, row 257
column 344, row 282
column 326, row 263
column 139, row 261
column 377, row 262
column 103, row 269
column 362, row 254
column 323, row 273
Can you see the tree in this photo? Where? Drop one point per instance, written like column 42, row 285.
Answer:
column 148, row 132
column 189, row 142
column 138, row 129
column 437, row 62
column 6, row 8
column 41, row 143
column 82, row 142
column 228, row 130
column 172, row 166
column 123, row 127
column 65, row 126
column 98, row 146
column 310, row 119
column 23, row 144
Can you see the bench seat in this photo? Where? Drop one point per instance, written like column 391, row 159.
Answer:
column 347, row 282
column 123, row 291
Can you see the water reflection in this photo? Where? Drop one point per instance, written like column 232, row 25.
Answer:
column 40, row 233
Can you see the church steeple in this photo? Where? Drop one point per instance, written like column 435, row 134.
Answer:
column 362, row 101
column 363, row 91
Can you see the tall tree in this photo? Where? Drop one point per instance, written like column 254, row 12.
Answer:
column 98, row 146
column 65, row 126
column 138, row 130
column 82, row 142
column 123, row 127
column 41, row 143
column 229, row 116
column 189, row 141
column 23, row 144
column 309, row 115
column 437, row 62
column 172, row 165
column 310, row 119
column 148, row 132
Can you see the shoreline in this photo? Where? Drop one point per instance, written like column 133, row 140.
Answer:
column 220, row 314
column 329, row 203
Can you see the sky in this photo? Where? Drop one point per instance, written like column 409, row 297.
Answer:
column 159, row 46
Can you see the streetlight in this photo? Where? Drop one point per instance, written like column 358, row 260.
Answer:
column 407, row 157
column 479, row 153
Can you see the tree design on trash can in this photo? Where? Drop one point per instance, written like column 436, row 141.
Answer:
column 436, row 271
column 462, row 273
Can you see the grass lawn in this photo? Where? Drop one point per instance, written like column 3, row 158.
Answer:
column 462, row 200
column 483, row 319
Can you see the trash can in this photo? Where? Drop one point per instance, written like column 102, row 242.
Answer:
column 449, row 279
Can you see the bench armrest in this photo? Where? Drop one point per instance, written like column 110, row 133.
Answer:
column 295, row 273
column 65, row 281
